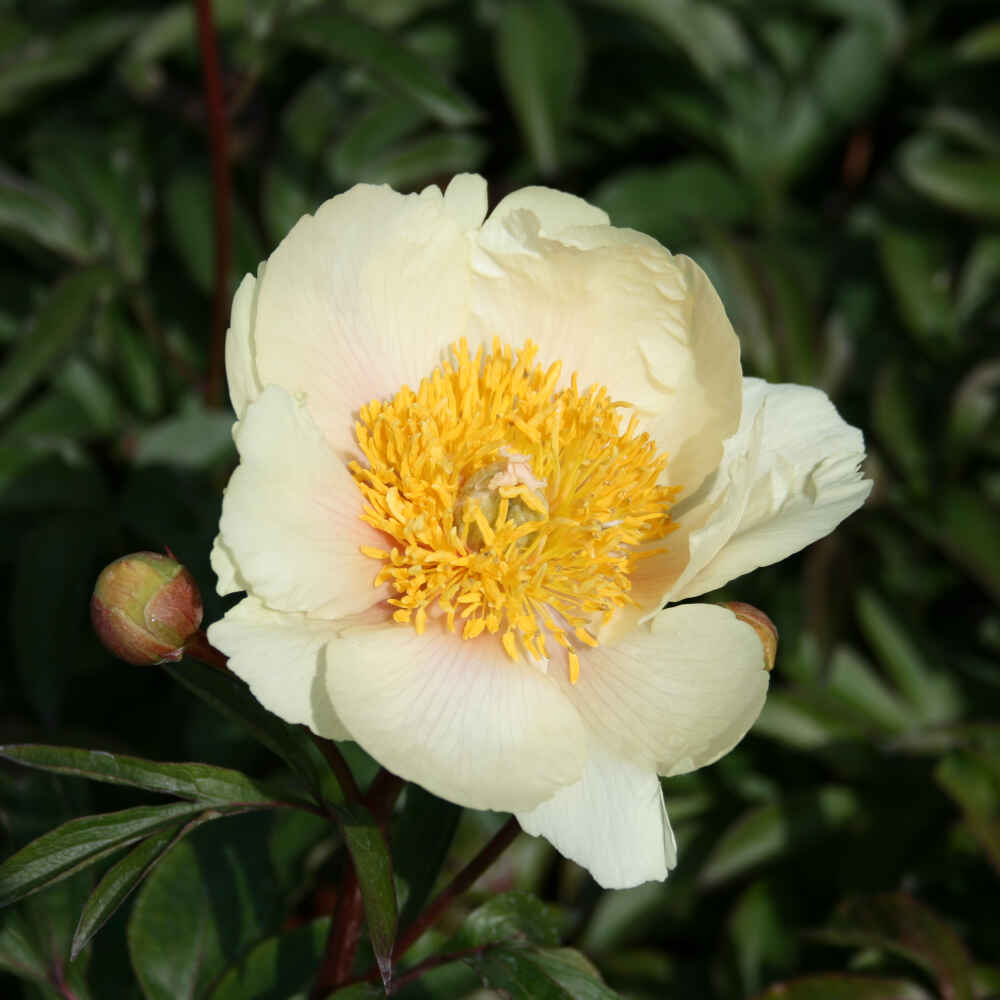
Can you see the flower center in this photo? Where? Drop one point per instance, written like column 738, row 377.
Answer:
column 512, row 508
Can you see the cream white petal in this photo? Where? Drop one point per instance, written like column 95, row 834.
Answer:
column 465, row 200
column 228, row 579
column 789, row 476
column 555, row 210
column 279, row 655
column 241, row 368
column 675, row 692
column 627, row 315
column 291, row 515
column 361, row 298
column 612, row 822
column 457, row 717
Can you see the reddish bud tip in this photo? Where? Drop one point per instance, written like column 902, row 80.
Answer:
column 761, row 624
column 145, row 607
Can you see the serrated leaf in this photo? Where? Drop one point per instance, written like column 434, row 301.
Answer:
column 123, row 878
column 540, row 57
column 514, row 917
column 58, row 323
column 279, row 967
column 901, row 924
column 337, row 34
column 198, row 782
column 80, row 842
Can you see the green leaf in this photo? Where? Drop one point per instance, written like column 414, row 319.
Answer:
column 413, row 164
column 899, row 923
column 68, row 848
column 853, row 682
column 933, row 694
column 380, row 127
column 896, row 422
column 853, row 71
column 675, row 202
column 277, row 968
column 230, row 696
column 40, row 62
column 845, row 986
column 369, row 852
column 767, row 832
column 420, row 842
column 541, row 974
column 514, row 917
column 30, row 211
column 540, row 57
column 202, row 907
column 59, row 322
column 198, row 782
column 975, row 788
column 193, row 439
column 982, row 44
column 959, row 181
column 337, row 34
column 122, row 878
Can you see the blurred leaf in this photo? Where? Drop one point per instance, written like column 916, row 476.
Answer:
column 310, row 118
column 277, row 968
column 541, row 974
column 854, row 683
column 203, row 905
column 136, row 362
column 708, row 34
column 123, row 878
column 368, row 138
column 980, row 279
column 853, row 71
column 918, row 271
column 198, row 782
column 962, row 182
column 420, row 842
column 412, row 164
column 193, row 439
column 540, row 57
column 675, row 201
column 89, row 388
column 336, row 34
column 57, row 324
column 974, row 407
column 976, row 791
column 30, row 211
column 933, row 695
column 760, row 937
column 896, row 422
column 981, row 44
column 511, row 917
column 373, row 866
column 40, row 61
column 230, row 696
column 188, row 207
column 901, row 924
column 769, row 831
column 62, row 851
column 845, row 986
column 803, row 721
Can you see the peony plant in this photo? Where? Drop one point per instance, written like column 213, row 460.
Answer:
column 486, row 463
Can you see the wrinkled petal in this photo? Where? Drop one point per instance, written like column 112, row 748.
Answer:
column 676, row 692
column 789, row 476
column 627, row 315
column 228, row 579
column 612, row 822
column 241, row 368
column 457, row 717
column 279, row 654
column 361, row 298
column 555, row 211
column 291, row 515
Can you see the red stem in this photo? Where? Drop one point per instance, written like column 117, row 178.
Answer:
column 345, row 932
column 199, row 648
column 220, row 197
column 501, row 840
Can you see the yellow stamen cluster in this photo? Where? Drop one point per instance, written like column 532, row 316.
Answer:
column 513, row 508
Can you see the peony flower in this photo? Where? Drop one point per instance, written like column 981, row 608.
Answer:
column 477, row 459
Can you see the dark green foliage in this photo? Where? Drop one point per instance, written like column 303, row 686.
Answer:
column 835, row 167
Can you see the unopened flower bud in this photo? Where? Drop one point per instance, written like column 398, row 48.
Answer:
column 144, row 608
column 761, row 624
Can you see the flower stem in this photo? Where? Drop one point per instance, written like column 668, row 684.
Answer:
column 342, row 942
column 501, row 840
column 199, row 648
column 220, row 196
